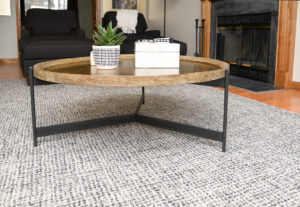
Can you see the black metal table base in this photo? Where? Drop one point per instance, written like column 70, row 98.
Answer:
column 136, row 117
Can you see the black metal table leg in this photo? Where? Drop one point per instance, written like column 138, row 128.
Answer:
column 224, row 136
column 140, row 103
column 34, row 129
column 136, row 117
column 143, row 95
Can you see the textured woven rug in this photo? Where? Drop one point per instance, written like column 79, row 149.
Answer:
column 138, row 165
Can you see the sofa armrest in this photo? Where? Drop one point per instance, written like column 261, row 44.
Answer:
column 152, row 33
column 25, row 33
column 183, row 47
column 78, row 32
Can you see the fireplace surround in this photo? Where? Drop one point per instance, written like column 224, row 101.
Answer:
column 244, row 33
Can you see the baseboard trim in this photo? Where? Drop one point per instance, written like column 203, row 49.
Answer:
column 296, row 85
column 9, row 60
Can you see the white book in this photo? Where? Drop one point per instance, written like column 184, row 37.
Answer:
column 157, row 55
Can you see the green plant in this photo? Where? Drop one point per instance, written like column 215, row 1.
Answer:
column 108, row 36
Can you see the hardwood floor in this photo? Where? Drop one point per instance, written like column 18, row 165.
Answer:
column 10, row 70
column 285, row 99
column 288, row 99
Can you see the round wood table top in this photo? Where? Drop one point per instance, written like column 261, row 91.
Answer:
column 78, row 71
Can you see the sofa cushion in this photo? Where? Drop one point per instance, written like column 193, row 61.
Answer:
column 127, row 48
column 183, row 47
column 51, row 22
column 24, row 41
column 54, row 47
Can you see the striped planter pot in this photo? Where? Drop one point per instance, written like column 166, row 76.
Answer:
column 106, row 57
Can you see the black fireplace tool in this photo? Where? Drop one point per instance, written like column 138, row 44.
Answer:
column 199, row 30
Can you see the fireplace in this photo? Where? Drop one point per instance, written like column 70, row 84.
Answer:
column 244, row 42
column 244, row 34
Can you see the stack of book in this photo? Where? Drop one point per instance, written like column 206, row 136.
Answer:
column 157, row 53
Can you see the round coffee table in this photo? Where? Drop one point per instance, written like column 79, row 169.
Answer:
column 78, row 71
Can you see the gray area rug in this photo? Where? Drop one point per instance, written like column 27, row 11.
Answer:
column 138, row 165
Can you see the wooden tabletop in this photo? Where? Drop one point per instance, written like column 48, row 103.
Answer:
column 78, row 71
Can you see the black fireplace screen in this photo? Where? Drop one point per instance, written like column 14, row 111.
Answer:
column 244, row 40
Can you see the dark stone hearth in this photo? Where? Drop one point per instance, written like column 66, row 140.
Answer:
column 245, row 33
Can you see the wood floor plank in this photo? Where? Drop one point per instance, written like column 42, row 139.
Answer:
column 10, row 70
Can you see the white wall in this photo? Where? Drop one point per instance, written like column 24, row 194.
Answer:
column 181, row 15
column 156, row 15
column 8, row 34
column 296, row 72
column 85, row 17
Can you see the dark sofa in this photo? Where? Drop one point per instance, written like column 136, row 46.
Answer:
column 51, row 34
column 141, row 33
